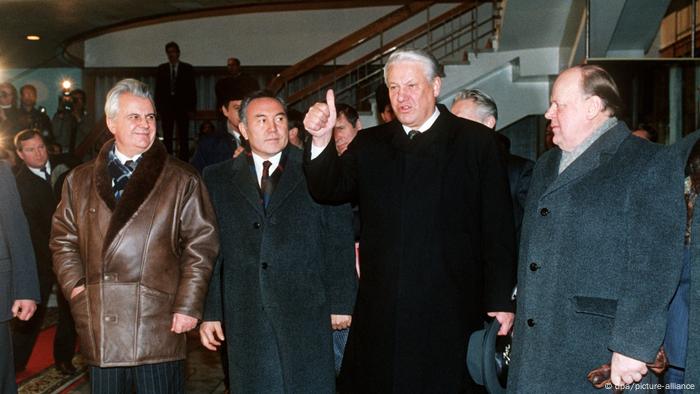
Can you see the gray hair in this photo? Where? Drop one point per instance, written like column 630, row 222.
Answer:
column 130, row 86
column 486, row 104
column 428, row 61
column 257, row 95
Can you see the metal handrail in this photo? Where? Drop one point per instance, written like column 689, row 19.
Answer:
column 368, row 67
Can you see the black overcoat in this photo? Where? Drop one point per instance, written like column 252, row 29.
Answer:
column 436, row 249
column 281, row 273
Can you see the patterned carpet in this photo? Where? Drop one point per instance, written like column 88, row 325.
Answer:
column 203, row 370
column 51, row 380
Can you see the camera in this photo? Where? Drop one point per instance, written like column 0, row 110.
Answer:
column 65, row 102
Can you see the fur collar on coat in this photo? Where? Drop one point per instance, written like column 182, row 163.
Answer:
column 137, row 190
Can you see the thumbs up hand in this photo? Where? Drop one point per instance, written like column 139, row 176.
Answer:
column 320, row 120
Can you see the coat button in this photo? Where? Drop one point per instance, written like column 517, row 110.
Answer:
column 264, row 266
column 544, row 211
column 257, row 225
column 530, row 322
column 534, row 267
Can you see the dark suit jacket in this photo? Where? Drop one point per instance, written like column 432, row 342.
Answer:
column 281, row 273
column 213, row 148
column 18, row 277
column 185, row 98
column 519, row 175
column 436, row 249
column 39, row 200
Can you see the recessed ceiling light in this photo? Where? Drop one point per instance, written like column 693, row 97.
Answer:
column 33, row 37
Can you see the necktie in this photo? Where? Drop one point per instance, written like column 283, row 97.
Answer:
column 47, row 176
column 412, row 134
column 120, row 183
column 266, row 185
column 173, row 77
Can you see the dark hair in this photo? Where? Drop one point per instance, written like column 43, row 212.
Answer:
column 649, row 129
column 597, row 82
column 257, row 95
column 296, row 119
column 22, row 89
column 24, row 135
column 349, row 112
column 382, row 94
column 172, row 44
column 78, row 91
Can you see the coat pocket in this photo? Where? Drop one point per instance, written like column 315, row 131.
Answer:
column 81, row 317
column 597, row 306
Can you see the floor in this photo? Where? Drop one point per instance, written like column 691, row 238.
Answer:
column 203, row 374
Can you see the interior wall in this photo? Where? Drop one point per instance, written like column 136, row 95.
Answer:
column 47, row 82
column 275, row 38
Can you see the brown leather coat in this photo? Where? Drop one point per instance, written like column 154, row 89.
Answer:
column 143, row 258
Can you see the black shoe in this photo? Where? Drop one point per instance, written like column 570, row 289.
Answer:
column 66, row 367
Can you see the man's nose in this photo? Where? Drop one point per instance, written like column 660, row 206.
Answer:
column 549, row 113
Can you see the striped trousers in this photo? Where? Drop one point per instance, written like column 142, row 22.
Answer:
column 165, row 378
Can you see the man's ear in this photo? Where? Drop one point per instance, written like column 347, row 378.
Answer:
column 437, row 84
column 110, row 125
column 358, row 124
column 490, row 122
column 243, row 129
column 594, row 106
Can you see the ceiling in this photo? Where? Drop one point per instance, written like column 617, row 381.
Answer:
column 67, row 23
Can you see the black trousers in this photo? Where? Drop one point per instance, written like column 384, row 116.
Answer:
column 179, row 121
column 24, row 333
column 7, row 369
column 161, row 378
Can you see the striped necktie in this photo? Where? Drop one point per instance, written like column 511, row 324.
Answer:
column 412, row 134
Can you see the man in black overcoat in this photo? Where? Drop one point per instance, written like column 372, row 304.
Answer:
column 176, row 99
column 437, row 242
column 285, row 277
column 39, row 181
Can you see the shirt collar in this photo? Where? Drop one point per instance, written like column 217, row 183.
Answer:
column 568, row 157
column 428, row 123
column 38, row 172
column 124, row 158
column 275, row 160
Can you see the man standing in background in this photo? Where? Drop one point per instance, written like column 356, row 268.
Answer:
column 39, row 183
column 176, row 100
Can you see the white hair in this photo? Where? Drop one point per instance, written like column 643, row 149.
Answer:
column 429, row 63
column 129, row 85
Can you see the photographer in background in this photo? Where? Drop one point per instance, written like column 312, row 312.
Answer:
column 32, row 117
column 71, row 123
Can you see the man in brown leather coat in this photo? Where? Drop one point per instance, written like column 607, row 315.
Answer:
column 134, row 240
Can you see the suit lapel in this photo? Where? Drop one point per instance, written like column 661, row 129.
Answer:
column 246, row 184
column 292, row 176
column 596, row 155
